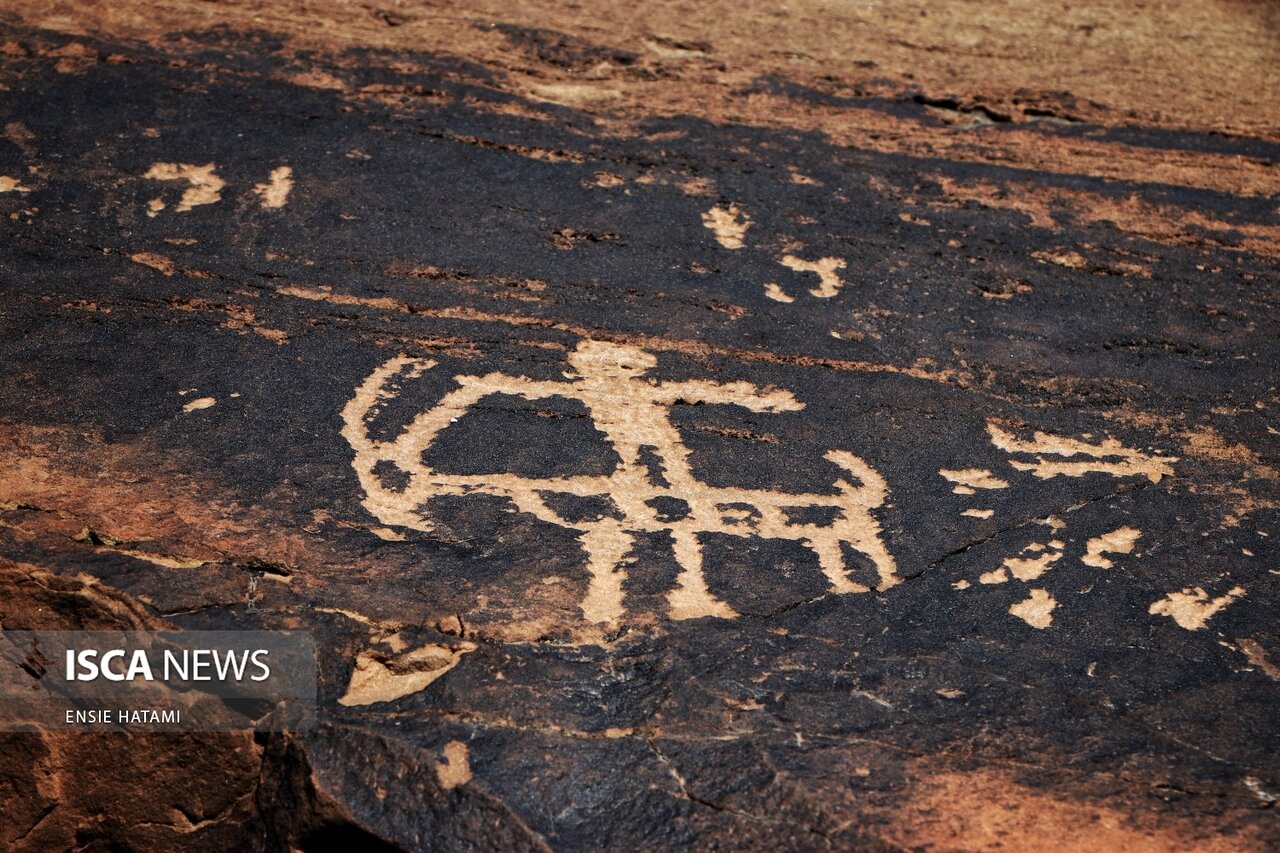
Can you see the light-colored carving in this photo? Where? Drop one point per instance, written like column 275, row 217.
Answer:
column 1107, row 456
column 1036, row 610
column 633, row 413
column 729, row 224
column 379, row 678
column 157, row 262
column 12, row 185
column 1025, row 568
column 776, row 293
column 1118, row 541
column 969, row 479
column 1257, row 656
column 206, row 186
column 1193, row 608
column 455, row 770
column 1031, row 568
column 825, row 268
column 274, row 192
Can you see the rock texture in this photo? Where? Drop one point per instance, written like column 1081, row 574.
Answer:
column 809, row 427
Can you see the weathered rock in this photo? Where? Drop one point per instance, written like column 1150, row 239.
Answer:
column 827, row 428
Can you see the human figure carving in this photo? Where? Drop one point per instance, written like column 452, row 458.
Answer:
column 633, row 412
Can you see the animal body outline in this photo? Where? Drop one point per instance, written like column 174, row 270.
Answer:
column 633, row 412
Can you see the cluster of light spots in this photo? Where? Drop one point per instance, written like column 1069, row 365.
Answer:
column 205, row 187
column 729, row 224
column 1032, row 563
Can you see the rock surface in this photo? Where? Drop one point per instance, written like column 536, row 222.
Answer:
column 817, row 427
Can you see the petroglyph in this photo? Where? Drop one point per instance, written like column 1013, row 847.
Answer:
column 1032, row 563
column 275, row 191
column 970, row 479
column 1030, row 568
column 12, row 185
column 1119, row 541
column 607, row 180
column 1035, row 559
column 1257, row 656
column 1108, row 456
column 776, row 293
column 455, row 770
column 206, row 186
column 157, row 262
column 381, row 678
column 729, row 224
column 1036, row 610
column 632, row 412
column 1193, row 608
column 826, row 270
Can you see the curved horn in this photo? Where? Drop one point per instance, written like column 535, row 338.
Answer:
column 873, row 490
column 369, row 394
